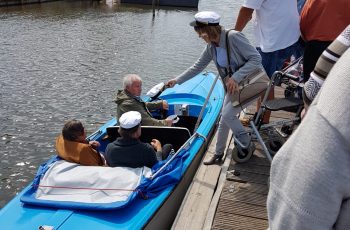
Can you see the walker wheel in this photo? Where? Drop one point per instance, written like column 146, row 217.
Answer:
column 274, row 145
column 289, row 92
column 287, row 129
column 240, row 156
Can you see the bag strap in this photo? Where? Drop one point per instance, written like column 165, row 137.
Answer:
column 229, row 69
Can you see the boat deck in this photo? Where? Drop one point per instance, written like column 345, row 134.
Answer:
column 242, row 204
column 229, row 196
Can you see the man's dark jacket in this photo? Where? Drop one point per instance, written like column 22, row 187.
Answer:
column 130, row 153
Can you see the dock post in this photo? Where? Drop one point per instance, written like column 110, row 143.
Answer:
column 153, row 7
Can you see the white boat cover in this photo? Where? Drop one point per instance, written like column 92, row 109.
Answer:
column 66, row 181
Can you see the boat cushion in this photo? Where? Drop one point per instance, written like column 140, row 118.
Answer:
column 140, row 188
column 99, row 177
column 66, row 181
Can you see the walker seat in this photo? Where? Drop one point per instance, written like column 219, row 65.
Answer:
column 287, row 104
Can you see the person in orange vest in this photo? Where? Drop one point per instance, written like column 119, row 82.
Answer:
column 72, row 145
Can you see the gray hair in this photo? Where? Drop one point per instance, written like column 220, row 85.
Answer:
column 129, row 79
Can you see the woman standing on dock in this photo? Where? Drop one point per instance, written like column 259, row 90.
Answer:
column 244, row 59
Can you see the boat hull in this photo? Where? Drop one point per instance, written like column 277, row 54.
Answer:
column 166, row 215
column 157, row 212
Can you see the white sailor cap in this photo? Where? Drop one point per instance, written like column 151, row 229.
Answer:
column 130, row 119
column 206, row 18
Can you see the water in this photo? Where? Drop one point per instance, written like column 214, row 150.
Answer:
column 65, row 60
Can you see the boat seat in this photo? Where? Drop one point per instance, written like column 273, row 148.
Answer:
column 188, row 122
column 176, row 136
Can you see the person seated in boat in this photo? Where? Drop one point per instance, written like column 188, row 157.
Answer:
column 72, row 146
column 129, row 151
column 128, row 99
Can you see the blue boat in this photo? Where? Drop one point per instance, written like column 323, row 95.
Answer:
column 173, row 3
column 200, row 98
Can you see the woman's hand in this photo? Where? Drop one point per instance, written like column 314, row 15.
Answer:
column 156, row 145
column 231, row 85
column 171, row 83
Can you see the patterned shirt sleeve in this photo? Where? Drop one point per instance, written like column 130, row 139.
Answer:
column 324, row 64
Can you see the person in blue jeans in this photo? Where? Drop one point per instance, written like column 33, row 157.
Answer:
column 300, row 4
column 274, row 61
column 277, row 32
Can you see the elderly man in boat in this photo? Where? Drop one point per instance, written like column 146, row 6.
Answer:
column 129, row 151
column 72, row 146
column 129, row 99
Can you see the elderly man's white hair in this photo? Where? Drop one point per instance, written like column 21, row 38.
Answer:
column 129, row 79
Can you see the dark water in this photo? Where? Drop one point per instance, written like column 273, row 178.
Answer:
column 65, row 60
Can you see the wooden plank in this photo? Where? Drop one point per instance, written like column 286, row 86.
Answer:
column 231, row 186
column 248, row 176
column 214, row 202
column 243, row 205
column 194, row 208
column 251, row 167
column 258, row 158
column 258, row 197
column 199, row 197
column 232, row 221
column 249, row 198
column 244, row 209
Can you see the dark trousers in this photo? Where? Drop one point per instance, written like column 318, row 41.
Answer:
column 166, row 149
column 312, row 51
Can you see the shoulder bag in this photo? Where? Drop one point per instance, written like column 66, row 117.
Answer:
column 251, row 86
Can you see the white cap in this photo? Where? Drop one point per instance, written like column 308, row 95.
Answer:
column 206, row 18
column 130, row 119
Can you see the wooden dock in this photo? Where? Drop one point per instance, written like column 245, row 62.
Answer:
column 242, row 203
column 231, row 195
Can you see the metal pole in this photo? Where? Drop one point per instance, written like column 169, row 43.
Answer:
column 154, row 7
column 173, row 157
column 205, row 103
column 261, row 141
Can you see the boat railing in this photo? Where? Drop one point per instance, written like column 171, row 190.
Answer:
column 206, row 102
column 183, row 147
column 196, row 134
column 94, row 135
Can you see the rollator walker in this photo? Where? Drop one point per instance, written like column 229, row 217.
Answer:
column 272, row 136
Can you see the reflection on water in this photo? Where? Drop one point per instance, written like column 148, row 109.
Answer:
column 64, row 60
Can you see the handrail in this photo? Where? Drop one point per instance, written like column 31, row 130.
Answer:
column 285, row 69
column 93, row 135
column 177, row 153
column 205, row 103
